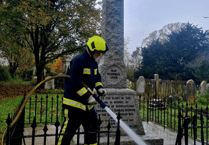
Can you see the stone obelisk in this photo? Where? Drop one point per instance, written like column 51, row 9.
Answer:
column 113, row 71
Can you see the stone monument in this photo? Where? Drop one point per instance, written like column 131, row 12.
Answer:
column 191, row 92
column 113, row 71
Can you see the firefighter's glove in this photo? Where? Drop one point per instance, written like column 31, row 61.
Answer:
column 102, row 92
column 91, row 100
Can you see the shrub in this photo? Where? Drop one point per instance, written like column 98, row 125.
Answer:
column 27, row 75
column 4, row 74
column 203, row 99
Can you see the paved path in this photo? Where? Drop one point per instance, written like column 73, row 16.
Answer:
column 168, row 136
column 150, row 129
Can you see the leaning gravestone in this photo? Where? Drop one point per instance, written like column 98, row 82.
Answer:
column 140, row 85
column 191, row 92
column 203, row 87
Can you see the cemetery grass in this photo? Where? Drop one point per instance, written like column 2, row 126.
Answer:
column 169, row 117
column 10, row 105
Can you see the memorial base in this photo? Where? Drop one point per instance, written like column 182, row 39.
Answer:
column 125, row 102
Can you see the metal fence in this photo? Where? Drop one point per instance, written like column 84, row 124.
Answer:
column 188, row 120
column 42, row 109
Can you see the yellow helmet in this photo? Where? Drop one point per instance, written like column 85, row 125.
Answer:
column 97, row 43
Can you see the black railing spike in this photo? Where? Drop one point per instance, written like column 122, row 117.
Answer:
column 8, row 121
column 56, row 125
column 202, row 122
column 117, row 140
column 108, row 133
column 33, row 125
column 45, row 130
column 99, row 121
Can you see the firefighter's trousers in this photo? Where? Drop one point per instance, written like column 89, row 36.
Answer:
column 73, row 120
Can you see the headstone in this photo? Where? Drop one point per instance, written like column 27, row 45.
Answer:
column 127, row 83
column 49, row 84
column 207, row 88
column 191, row 92
column 34, row 70
column 45, row 72
column 203, row 87
column 140, row 85
column 65, row 65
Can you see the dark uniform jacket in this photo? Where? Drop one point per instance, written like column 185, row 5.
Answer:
column 82, row 68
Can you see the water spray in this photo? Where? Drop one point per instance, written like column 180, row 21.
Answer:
column 125, row 127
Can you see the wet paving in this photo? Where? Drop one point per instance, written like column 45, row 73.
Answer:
column 168, row 135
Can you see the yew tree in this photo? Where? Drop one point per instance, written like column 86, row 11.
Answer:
column 50, row 29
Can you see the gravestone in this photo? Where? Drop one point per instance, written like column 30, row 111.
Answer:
column 65, row 65
column 113, row 71
column 203, row 87
column 191, row 91
column 207, row 88
column 140, row 85
column 128, row 83
column 49, row 84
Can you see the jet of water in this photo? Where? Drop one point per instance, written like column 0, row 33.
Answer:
column 126, row 128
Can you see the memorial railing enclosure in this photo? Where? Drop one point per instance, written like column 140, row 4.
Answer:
column 37, row 109
column 165, row 103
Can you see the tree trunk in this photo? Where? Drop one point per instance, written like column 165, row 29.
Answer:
column 12, row 69
column 40, row 74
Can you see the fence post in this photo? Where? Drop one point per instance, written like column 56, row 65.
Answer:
column 45, row 130
column 56, row 125
column 186, row 122
column 8, row 121
column 180, row 131
column 117, row 141
column 194, row 123
column 33, row 125
column 202, row 122
column 108, row 133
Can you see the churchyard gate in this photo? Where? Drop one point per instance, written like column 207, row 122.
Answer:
column 37, row 109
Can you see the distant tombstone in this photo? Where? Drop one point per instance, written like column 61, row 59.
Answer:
column 207, row 88
column 203, row 87
column 191, row 92
column 127, row 83
column 65, row 65
column 49, row 84
column 140, row 85
column 34, row 70
column 44, row 72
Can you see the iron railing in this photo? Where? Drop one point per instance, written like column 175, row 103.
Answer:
column 188, row 120
column 36, row 109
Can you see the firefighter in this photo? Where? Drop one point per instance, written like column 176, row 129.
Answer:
column 78, row 103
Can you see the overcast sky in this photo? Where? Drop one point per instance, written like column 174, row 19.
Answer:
column 141, row 17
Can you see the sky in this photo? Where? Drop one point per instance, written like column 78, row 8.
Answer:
column 141, row 17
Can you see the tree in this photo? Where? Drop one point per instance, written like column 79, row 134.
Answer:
column 162, row 34
column 169, row 58
column 202, row 72
column 136, row 58
column 50, row 29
